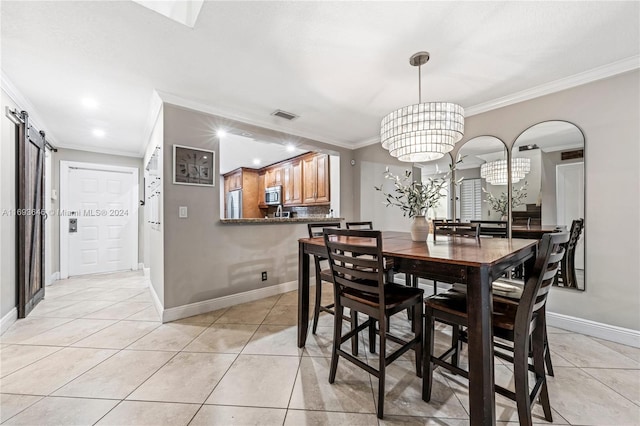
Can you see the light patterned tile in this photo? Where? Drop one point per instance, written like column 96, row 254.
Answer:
column 351, row 391
column 27, row 328
column 282, row 315
column 188, row 378
column 228, row 416
column 10, row 405
column 119, row 335
column 257, row 381
column 625, row 382
column 205, row 319
column 148, row 314
column 78, row 310
column 583, row 351
column 303, row 417
column 273, row 340
column 70, row 332
column 119, row 310
column 45, row 376
column 63, row 411
column 15, row 357
column 116, row 377
column 223, row 338
column 629, row 351
column 137, row 413
column 169, row 337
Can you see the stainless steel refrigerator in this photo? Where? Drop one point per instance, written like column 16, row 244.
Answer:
column 234, row 204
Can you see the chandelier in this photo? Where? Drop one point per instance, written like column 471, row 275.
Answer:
column 495, row 172
column 422, row 131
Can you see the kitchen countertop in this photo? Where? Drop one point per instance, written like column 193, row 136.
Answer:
column 272, row 220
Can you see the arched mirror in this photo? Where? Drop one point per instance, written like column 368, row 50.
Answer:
column 549, row 157
column 482, row 167
column 439, row 169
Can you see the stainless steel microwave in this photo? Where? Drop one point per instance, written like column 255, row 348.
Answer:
column 273, row 195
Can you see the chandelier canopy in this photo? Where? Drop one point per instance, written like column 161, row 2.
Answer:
column 495, row 172
column 422, row 131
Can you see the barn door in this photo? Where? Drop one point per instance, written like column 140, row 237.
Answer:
column 31, row 216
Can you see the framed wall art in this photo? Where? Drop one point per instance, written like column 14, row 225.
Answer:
column 193, row 166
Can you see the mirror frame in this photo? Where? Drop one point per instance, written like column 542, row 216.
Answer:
column 510, row 189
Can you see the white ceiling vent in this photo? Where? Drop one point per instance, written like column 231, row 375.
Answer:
column 284, row 114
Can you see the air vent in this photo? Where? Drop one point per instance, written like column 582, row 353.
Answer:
column 284, row 114
column 570, row 155
column 528, row 147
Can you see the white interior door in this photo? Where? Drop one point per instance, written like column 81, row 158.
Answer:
column 106, row 227
column 570, row 201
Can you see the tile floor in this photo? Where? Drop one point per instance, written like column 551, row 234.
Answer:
column 94, row 352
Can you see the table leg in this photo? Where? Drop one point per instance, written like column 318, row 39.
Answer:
column 481, row 383
column 303, row 295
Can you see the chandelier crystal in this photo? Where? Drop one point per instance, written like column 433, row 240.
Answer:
column 422, row 131
column 495, row 172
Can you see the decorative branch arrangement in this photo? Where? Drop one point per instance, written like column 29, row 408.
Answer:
column 415, row 198
column 500, row 205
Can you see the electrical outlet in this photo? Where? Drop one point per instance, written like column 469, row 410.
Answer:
column 264, row 275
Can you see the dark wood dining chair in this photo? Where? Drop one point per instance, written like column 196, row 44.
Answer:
column 567, row 274
column 315, row 230
column 359, row 284
column 516, row 323
column 359, row 225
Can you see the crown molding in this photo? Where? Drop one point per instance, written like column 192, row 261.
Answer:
column 206, row 108
column 371, row 141
column 605, row 71
column 24, row 104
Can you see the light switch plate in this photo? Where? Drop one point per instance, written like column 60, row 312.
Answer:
column 182, row 212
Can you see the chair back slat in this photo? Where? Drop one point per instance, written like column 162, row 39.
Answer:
column 492, row 228
column 315, row 229
column 349, row 270
column 360, row 225
column 536, row 290
column 462, row 229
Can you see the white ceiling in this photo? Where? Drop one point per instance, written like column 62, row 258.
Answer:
column 241, row 151
column 340, row 66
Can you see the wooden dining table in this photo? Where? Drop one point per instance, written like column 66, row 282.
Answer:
column 473, row 262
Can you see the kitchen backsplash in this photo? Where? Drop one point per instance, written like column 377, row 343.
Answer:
column 308, row 211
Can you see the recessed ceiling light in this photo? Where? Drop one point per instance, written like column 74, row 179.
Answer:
column 256, row 161
column 90, row 103
column 291, row 147
column 204, row 157
column 221, row 133
column 98, row 133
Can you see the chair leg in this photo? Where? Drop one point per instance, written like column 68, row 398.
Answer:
column 427, row 366
column 417, row 321
column 456, row 343
column 382, row 366
column 316, row 304
column 521, row 378
column 435, row 287
column 547, row 352
column 354, row 339
column 538, row 367
column 337, row 336
column 372, row 335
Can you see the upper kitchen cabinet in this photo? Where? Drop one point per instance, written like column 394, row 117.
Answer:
column 273, row 176
column 315, row 172
column 292, row 173
column 262, row 176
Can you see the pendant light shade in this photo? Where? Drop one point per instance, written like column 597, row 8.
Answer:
column 495, row 172
column 423, row 131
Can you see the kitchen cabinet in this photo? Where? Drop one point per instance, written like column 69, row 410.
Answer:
column 261, row 186
column 292, row 185
column 273, row 176
column 315, row 173
column 247, row 180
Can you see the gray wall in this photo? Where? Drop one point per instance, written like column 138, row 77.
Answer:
column 205, row 259
column 7, row 202
column 607, row 111
column 96, row 158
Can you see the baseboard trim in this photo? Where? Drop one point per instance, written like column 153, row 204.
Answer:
column 54, row 277
column 140, row 266
column 156, row 300
column 185, row 311
column 625, row 336
column 8, row 320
